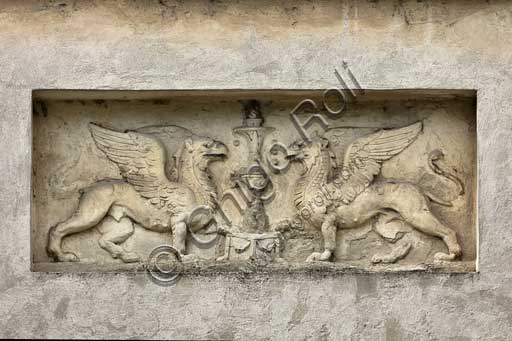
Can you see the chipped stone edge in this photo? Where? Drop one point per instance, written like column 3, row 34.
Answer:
column 210, row 268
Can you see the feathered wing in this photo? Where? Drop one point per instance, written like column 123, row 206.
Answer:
column 364, row 157
column 171, row 137
column 141, row 160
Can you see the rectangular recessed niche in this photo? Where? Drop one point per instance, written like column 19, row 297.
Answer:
column 392, row 180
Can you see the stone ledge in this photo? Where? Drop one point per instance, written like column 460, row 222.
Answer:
column 223, row 268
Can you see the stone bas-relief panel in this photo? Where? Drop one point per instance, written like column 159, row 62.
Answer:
column 227, row 179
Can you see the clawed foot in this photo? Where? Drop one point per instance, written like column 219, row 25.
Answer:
column 130, row 257
column 222, row 258
column 445, row 257
column 385, row 259
column 68, row 257
column 454, row 252
column 282, row 225
column 317, row 256
column 376, row 259
column 313, row 257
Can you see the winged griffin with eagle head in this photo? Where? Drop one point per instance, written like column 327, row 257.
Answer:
column 154, row 191
column 352, row 197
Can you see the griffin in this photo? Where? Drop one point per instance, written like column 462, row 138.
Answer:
column 351, row 196
column 158, row 190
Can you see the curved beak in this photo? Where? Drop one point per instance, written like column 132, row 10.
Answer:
column 218, row 150
column 222, row 150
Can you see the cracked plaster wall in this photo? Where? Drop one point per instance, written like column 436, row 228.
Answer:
column 264, row 44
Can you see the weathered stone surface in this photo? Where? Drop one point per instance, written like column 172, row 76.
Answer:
column 390, row 180
column 147, row 45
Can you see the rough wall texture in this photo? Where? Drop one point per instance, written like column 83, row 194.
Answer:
column 199, row 44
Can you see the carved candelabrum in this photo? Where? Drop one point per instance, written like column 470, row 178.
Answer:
column 251, row 179
column 253, row 183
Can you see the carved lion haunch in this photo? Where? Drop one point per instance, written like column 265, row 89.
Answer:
column 148, row 194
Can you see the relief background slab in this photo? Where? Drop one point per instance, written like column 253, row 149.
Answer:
column 65, row 159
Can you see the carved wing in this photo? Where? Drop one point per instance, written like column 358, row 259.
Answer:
column 141, row 160
column 171, row 137
column 364, row 157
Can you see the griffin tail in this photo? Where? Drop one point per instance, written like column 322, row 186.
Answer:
column 434, row 157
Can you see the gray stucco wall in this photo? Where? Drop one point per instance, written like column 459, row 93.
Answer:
column 198, row 45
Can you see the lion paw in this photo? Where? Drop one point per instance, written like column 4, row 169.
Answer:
column 68, row 257
column 376, row 259
column 445, row 257
column 222, row 258
column 315, row 256
column 281, row 226
column 130, row 257
column 385, row 259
